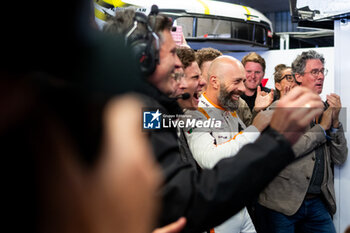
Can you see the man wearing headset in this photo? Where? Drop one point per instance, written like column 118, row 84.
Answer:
column 207, row 197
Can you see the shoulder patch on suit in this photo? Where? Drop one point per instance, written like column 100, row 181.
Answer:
column 204, row 112
column 234, row 114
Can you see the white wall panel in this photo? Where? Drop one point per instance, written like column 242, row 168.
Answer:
column 342, row 86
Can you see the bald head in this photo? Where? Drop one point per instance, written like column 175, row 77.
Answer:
column 221, row 64
column 226, row 82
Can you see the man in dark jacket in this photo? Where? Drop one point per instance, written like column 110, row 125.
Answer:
column 208, row 197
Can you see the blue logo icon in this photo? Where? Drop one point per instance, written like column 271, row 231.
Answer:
column 151, row 119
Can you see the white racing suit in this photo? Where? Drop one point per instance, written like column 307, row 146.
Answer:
column 210, row 145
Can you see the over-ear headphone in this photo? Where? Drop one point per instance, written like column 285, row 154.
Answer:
column 145, row 45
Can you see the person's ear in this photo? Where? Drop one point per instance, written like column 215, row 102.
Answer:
column 278, row 86
column 214, row 82
column 298, row 77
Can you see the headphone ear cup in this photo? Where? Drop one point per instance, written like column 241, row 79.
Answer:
column 141, row 17
column 153, row 60
column 143, row 44
column 144, row 52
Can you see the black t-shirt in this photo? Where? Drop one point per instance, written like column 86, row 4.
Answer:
column 250, row 100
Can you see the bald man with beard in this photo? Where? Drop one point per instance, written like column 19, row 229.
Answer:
column 209, row 145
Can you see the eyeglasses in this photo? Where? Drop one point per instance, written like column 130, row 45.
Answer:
column 316, row 72
column 288, row 77
column 177, row 76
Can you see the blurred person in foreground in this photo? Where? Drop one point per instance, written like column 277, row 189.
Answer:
column 64, row 137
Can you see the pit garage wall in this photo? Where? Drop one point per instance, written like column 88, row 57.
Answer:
column 337, row 81
column 342, row 86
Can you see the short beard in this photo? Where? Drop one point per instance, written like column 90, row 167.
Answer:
column 226, row 101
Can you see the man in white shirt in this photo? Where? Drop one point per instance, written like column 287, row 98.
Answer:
column 211, row 144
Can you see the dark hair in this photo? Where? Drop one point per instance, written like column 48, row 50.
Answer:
column 123, row 20
column 206, row 54
column 162, row 23
column 298, row 65
column 186, row 55
column 279, row 71
column 278, row 75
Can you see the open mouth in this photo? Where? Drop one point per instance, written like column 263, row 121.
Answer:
column 196, row 95
column 236, row 97
column 235, row 94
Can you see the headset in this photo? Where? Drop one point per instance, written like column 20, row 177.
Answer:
column 145, row 45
